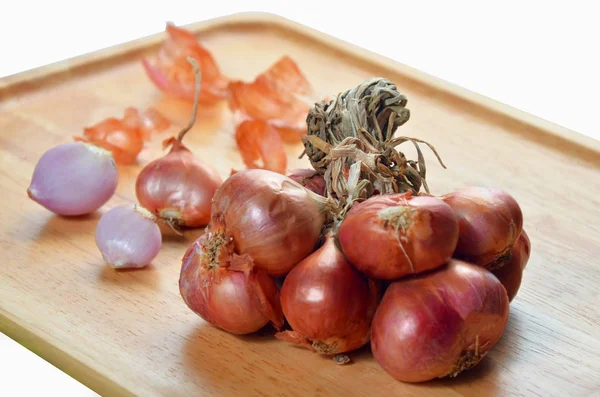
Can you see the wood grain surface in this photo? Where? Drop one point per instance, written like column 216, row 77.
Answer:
column 130, row 333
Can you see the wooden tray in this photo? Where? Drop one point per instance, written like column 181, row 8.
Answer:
column 124, row 333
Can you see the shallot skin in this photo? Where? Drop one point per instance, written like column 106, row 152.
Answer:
column 171, row 73
column 511, row 274
column 277, row 96
column 490, row 221
column 270, row 217
column 74, row 179
column 178, row 187
column 239, row 302
column 128, row 237
column 258, row 142
column 440, row 323
column 391, row 236
column 125, row 137
column 328, row 303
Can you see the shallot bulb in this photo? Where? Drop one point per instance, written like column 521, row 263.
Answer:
column 328, row 303
column 511, row 273
column 178, row 187
column 128, row 237
column 391, row 236
column 310, row 179
column 270, row 217
column 490, row 221
column 225, row 289
column 74, row 179
column 439, row 324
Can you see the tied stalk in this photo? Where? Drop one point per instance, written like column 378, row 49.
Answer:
column 351, row 142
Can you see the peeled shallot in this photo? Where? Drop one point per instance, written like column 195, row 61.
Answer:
column 74, row 179
column 128, row 237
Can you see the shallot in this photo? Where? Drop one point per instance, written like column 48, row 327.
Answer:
column 328, row 303
column 178, row 187
column 270, row 217
column 125, row 137
column 490, row 221
column 391, row 236
column 439, row 324
column 74, row 179
column 225, row 289
column 511, row 273
column 128, row 237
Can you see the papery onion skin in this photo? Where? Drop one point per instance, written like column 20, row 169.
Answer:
column 128, row 237
column 125, row 137
column 511, row 273
column 237, row 301
column 328, row 303
column 440, row 323
column 310, row 179
column 490, row 221
column 391, row 236
column 172, row 74
column 258, row 142
column 280, row 96
column 270, row 217
column 74, row 179
column 178, row 187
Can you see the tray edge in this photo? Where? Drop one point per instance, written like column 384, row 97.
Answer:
column 60, row 358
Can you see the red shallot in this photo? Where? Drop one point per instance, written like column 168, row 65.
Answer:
column 511, row 273
column 178, row 187
column 439, row 324
column 328, row 303
column 225, row 289
column 391, row 236
column 270, row 217
column 490, row 221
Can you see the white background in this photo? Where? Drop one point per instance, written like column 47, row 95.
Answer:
column 540, row 57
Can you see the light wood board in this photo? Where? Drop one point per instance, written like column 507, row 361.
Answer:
column 124, row 333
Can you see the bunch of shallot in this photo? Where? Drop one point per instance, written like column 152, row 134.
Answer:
column 353, row 251
column 364, row 255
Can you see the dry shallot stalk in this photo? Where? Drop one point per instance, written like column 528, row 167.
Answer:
column 351, row 142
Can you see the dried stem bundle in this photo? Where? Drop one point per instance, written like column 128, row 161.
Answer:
column 351, row 142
